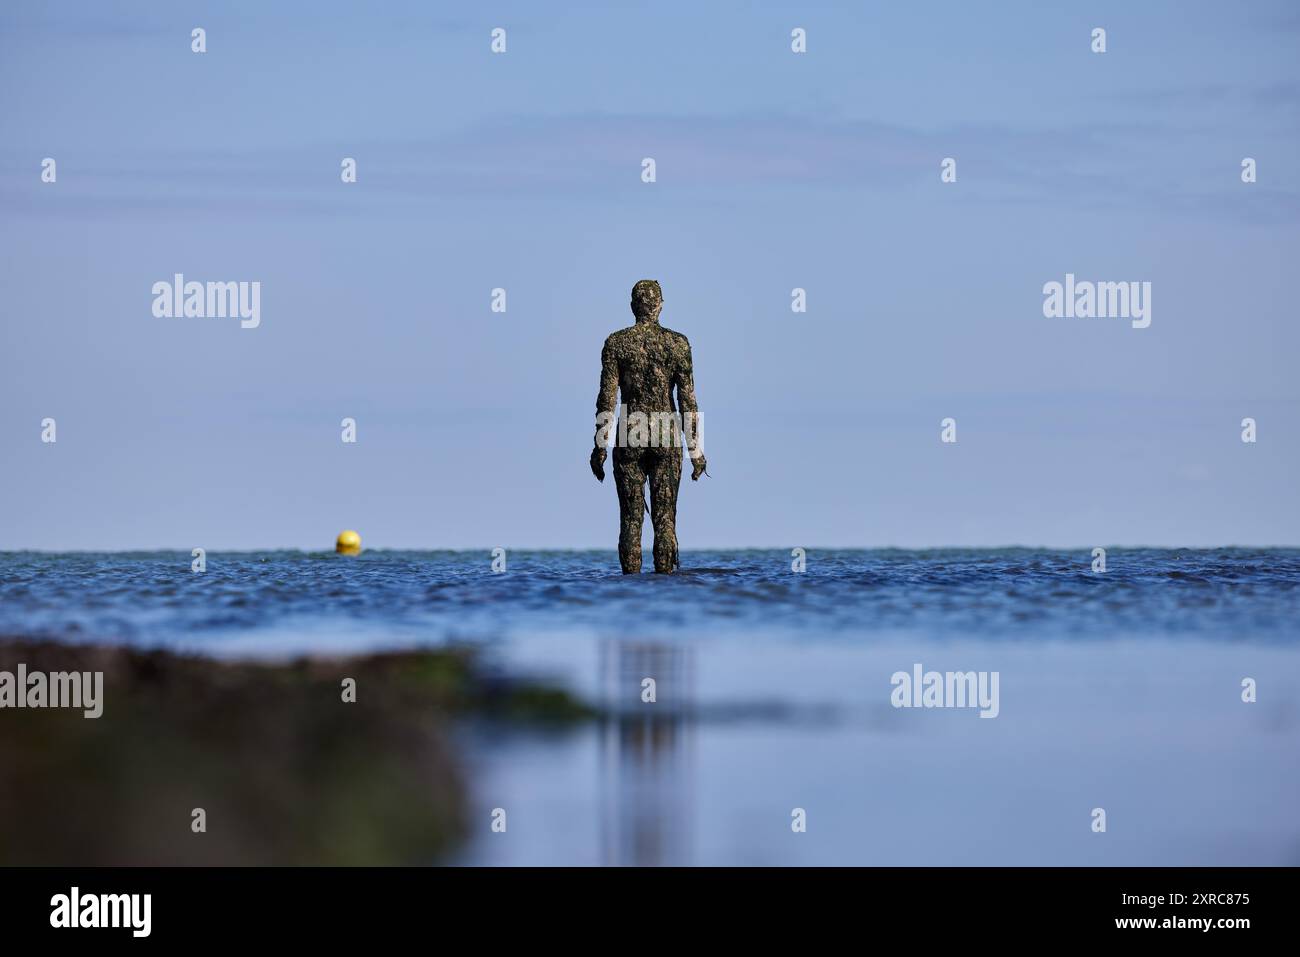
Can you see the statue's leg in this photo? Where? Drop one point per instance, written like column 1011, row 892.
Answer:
column 629, row 479
column 665, row 470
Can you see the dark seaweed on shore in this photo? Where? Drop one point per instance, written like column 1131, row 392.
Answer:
column 286, row 772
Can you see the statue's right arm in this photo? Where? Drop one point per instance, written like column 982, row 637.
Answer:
column 607, row 395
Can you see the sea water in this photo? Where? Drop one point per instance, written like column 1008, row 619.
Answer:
column 1164, row 692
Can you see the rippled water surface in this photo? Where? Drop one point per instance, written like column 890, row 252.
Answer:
column 1120, row 691
column 1225, row 594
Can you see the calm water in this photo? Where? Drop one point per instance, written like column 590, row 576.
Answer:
column 1119, row 690
column 278, row 601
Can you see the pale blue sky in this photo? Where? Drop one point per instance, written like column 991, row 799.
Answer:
column 523, row 171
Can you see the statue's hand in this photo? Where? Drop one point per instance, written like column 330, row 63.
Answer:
column 598, row 463
column 700, row 467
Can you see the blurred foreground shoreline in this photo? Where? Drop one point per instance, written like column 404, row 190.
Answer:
column 285, row 771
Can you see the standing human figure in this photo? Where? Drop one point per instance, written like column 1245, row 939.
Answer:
column 647, row 363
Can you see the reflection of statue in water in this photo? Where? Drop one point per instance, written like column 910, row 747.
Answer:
column 646, row 803
column 646, row 362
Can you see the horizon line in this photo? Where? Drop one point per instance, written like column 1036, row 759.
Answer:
column 604, row 548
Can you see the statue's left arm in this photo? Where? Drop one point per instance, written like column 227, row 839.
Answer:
column 684, row 382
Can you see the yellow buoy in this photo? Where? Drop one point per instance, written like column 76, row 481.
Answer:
column 349, row 543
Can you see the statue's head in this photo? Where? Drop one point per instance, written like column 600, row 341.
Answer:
column 647, row 299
